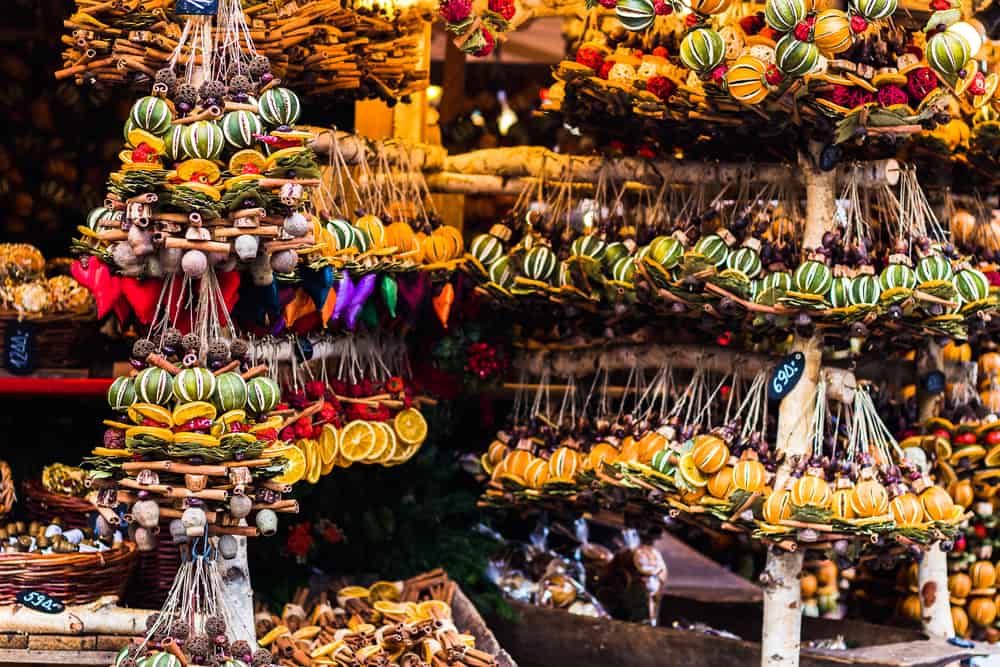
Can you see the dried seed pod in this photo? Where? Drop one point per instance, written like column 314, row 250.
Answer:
column 191, row 343
column 262, row 658
column 142, row 348
column 172, row 337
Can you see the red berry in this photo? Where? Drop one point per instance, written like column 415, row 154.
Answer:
column 605, row 68
column 858, row 23
column 942, row 433
column 662, row 8
column 691, row 20
column 287, row 433
column 504, row 8
column 487, row 47
column 609, row 4
column 661, row 86
column 660, row 52
column 993, row 437
column 940, row 5
column 773, row 75
column 719, row 73
column 803, row 31
column 637, row 53
column 268, row 434
column 978, row 85
column 965, row 439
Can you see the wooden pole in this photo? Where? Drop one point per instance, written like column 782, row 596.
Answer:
column 932, row 572
column 237, row 595
column 782, row 626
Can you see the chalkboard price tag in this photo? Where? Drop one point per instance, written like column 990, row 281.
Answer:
column 40, row 602
column 19, row 348
column 934, row 382
column 786, row 375
column 198, row 7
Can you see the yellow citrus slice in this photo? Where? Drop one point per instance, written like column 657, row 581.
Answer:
column 307, row 633
column 689, row 471
column 118, row 425
column 357, row 440
column 276, row 450
column 434, row 609
column 295, row 466
column 382, row 444
column 315, row 465
column 139, row 136
column 137, row 412
column 351, row 592
column 106, row 451
column 411, row 427
column 328, row 443
column 197, row 439
column 271, row 422
column 164, row 434
column 341, row 462
column 244, row 157
column 283, row 153
column 200, row 169
column 384, row 590
column 326, row 649
column 272, row 635
column 195, row 410
column 232, row 416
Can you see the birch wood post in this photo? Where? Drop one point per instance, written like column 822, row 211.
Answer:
column 932, row 573
column 782, row 627
column 237, row 594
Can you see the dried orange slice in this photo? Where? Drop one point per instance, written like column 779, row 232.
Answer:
column 137, row 412
column 111, row 453
column 689, row 471
column 351, row 592
column 244, row 157
column 329, row 444
column 384, row 590
column 197, row 168
column 357, row 440
column 315, row 465
column 194, row 410
column 295, row 466
column 271, row 422
column 196, row 439
column 434, row 609
column 411, row 427
column 139, row 136
column 385, row 443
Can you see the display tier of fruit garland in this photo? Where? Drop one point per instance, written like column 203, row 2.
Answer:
column 665, row 454
column 324, row 49
column 848, row 74
column 686, row 263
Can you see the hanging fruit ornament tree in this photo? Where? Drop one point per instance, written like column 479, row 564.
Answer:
column 193, row 437
column 213, row 173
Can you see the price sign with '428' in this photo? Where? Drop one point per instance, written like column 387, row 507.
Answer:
column 786, row 375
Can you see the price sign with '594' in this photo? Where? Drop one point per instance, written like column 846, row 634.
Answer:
column 40, row 602
column 786, row 375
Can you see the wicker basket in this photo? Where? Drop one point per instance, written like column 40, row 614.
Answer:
column 42, row 506
column 75, row 578
column 62, row 340
column 154, row 570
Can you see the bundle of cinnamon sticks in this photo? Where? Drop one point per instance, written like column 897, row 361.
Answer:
column 406, row 623
column 318, row 47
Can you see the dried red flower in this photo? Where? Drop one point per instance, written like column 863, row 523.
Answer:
column 661, row 86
